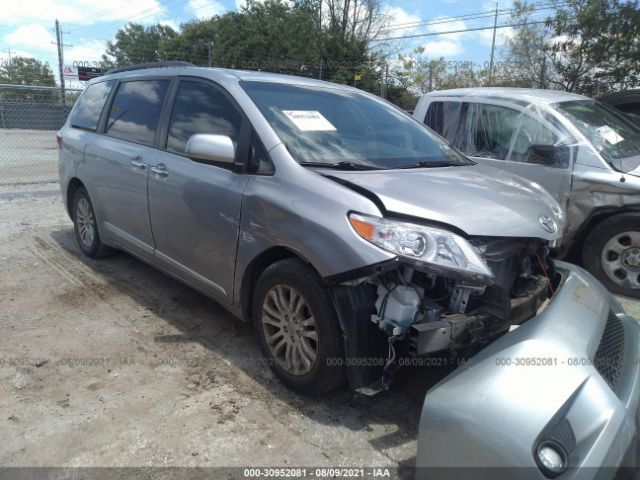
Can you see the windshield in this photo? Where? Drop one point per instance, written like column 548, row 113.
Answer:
column 615, row 137
column 346, row 129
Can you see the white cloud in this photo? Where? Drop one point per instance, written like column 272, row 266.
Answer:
column 502, row 35
column 443, row 48
column 202, row 9
column 32, row 37
column 170, row 23
column 87, row 52
column 82, row 12
column 400, row 22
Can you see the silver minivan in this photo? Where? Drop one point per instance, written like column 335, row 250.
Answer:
column 356, row 241
column 586, row 154
column 334, row 221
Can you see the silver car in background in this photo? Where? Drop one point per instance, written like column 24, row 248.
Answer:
column 351, row 236
column 585, row 153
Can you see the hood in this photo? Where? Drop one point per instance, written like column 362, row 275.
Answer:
column 478, row 199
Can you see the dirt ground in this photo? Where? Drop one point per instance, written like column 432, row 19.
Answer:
column 111, row 363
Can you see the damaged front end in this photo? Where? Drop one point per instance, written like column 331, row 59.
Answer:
column 443, row 294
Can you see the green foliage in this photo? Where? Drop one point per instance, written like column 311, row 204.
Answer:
column 422, row 74
column 27, row 71
column 274, row 35
column 597, row 47
column 587, row 46
column 138, row 44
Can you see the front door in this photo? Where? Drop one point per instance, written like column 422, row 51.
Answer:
column 195, row 207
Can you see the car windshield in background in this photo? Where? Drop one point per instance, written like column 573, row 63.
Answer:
column 615, row 137
column 345, row 129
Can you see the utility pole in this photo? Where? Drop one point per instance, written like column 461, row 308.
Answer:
column 543, row 70
column 320, row 49
column 60, row 60
column 385, row 79
column 8, row 50
column 493, row 45
column 209, row 52
column 431, row 76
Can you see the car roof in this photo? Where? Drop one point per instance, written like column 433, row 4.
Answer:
column 516, row 95
column 222, row 74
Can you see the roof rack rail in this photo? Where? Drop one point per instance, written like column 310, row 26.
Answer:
column 142, row 66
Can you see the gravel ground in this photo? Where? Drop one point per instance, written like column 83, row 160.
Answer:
column 111, row 363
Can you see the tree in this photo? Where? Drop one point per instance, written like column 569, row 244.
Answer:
column 26, row 71
column 525, row 59
column 430, row 74
column 587, row 46
column 138, row 44
column 596, row 48
column 326, row 39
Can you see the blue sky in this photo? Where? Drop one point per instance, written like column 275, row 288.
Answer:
column 27, row 26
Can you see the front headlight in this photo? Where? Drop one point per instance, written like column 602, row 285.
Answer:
column 430, row 245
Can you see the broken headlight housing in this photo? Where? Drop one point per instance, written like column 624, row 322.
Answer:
column 433, row 246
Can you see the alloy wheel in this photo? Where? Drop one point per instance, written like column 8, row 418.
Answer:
column 86, row 222
column 289, row 329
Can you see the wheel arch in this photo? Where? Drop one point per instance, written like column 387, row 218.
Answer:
column 72, row 187
column 592, row 221
column 257, row 265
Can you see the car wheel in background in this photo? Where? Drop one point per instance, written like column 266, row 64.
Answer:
column 612, row 253
column 85, row 226
column 297, row 328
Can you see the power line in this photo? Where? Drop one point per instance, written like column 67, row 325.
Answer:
column 457, row 31
column 136, row 17
column 470, row 16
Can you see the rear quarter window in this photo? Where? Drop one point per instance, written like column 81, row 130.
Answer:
column 86, row 113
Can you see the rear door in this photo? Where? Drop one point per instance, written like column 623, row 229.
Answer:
column 502, row 136
column 119, row 162
column 195, row 207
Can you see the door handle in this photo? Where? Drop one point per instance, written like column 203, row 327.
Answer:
column 138, row 163
column 160, row 170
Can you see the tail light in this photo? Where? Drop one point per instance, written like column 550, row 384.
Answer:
column 59, row 139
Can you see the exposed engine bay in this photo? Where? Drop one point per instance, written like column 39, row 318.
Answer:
column 423, row 312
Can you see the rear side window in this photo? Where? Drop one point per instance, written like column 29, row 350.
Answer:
column 444, row 119
column 201, row 108
column 86, row 113
column 136, row 109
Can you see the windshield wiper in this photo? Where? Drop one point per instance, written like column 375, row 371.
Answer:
column 340, row 165
column 431, row 164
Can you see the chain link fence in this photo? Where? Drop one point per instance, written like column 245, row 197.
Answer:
column 30, row 116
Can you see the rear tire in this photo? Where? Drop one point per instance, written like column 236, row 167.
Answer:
column 297, row 328
column 86, row 226
column 611, row 253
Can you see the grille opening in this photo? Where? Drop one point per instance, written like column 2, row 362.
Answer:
column 609, row 359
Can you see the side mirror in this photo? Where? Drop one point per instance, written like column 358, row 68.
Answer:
column 205, row 147
column 550, row 155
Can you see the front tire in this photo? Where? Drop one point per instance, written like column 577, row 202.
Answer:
column 612, row 253
column 297, row 328
column 85, row 226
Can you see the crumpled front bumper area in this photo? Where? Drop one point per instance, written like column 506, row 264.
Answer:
column 570, row 375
